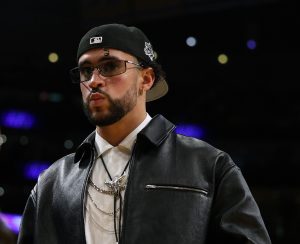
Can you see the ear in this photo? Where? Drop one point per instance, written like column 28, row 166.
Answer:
column 148, row 79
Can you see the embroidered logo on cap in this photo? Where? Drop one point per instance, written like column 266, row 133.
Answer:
column 95, row 39
column 149, row 51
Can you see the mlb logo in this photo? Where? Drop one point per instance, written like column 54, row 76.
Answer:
column 96, row 39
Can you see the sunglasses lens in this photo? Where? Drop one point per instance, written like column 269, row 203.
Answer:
column 107, row 68
column 85, row 73
column 110, row 68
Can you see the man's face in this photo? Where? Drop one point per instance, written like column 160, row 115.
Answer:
column 106, row 100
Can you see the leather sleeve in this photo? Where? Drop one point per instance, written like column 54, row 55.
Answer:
column 27, row 227
column 236, row 217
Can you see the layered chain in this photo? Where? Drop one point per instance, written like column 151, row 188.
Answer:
column 116, row 185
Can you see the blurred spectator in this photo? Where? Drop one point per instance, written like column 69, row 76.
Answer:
column 6, row 236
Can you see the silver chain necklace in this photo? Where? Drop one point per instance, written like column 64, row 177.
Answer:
column 101, row 210
column 116, row 186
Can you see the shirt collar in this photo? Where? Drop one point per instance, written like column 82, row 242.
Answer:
column 127, row 144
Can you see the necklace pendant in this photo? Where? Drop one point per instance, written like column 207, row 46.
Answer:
column 117, row 183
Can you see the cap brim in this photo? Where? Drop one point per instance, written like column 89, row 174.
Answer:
column 159, row 90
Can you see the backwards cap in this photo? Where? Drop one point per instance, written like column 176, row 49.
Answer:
column 127, row 39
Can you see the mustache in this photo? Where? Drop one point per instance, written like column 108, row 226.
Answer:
column 96, row 89
column 93, row 90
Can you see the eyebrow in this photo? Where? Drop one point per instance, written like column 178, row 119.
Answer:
column 99, row 60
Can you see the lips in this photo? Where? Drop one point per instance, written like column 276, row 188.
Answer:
column 96, row 99
column 96, row 96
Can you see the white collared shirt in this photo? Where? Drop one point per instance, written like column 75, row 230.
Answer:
column 99, row 226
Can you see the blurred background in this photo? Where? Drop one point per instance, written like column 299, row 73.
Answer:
column 232, row 67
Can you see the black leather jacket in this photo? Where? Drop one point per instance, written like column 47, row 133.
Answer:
column 180, row 190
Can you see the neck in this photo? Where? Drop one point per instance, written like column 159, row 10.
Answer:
column 118, row 131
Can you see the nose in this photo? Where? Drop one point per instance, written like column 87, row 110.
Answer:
column 96, row 80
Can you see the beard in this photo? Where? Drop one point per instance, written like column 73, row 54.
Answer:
column 116, row 110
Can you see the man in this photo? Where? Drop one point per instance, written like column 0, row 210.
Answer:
column 134, row 180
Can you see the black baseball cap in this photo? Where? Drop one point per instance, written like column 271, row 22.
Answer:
column 128, row 39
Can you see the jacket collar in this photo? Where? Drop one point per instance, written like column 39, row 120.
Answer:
column 156, row 132
column 158, row 129
column 86, row 146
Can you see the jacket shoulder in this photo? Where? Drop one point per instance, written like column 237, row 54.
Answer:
column 201, row 148
column 64, row 164
column 193, row 143
column 207, row 157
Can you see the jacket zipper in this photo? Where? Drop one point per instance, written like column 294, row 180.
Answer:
column 180, row 188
